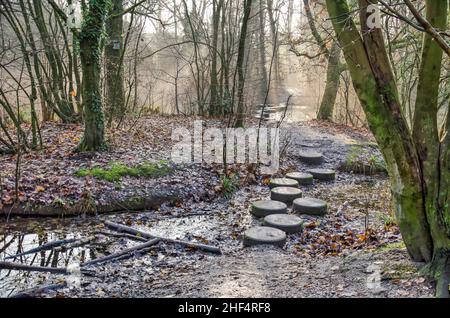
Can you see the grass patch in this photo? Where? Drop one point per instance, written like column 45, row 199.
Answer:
column 117, row 170
column 388, row 220
column 360, row 159
column 229, row 185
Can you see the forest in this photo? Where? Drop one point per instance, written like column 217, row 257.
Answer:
column 225, row 148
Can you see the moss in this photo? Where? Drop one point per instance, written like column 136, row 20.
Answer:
column 400, row 271
column 58, row 202
column 392, row 246
column 117, row 170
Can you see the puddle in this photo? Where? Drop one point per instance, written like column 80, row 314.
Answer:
column 30, row 237
column 25, row 235
column 184, row 228
column 276, row 113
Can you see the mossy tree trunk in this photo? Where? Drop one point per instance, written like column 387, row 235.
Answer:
column 115, row 96
column 94, row 15
column 334, row 67
column 417, row 161
column 332, row 85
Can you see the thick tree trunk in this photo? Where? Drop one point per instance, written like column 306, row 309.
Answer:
column 115, row 96
column 94, row 126
column 431, row 150
column 417, row 176
column 332, row 85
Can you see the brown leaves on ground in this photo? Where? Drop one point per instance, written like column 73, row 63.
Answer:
column 47, row 176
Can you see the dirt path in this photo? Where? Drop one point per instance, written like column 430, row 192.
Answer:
column 354, row 251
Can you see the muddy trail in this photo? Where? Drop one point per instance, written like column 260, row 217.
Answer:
column 354, row 251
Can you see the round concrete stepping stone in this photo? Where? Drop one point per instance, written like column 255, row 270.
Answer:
column 285, row 222
column 264, row 235
column 310, row 206
column 283, row 182
column 285, row 194
column 265, row 207
column 310, row 157
column 302, row 178
column 323, row 174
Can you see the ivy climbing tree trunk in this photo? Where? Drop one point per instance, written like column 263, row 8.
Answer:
column 115, row 97
column 94, row 14
column 417, row 161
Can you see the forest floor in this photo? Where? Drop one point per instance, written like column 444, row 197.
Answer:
column 354, row 251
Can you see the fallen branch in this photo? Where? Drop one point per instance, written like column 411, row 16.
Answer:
column 43, row 247
column 29, row 268
column 123, row 235
column 127, row 251
column 75, row 244
column 33, row 292
column 141, row 252
column 130, row 230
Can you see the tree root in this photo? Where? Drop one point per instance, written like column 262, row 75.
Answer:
column 443, row 278
column 439, row 271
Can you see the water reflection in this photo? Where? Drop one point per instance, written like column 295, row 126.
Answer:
column 12, row 244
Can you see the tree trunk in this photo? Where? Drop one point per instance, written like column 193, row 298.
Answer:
column 418, row 174
column 332, row 85
column 262, row 51
column 115, row 96
column 213, row 104
column 90, row 35
column 431, row 151
column 240, row 64
column 56, row 76
column 334, row 67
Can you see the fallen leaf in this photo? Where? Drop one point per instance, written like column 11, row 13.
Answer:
column 40, row 189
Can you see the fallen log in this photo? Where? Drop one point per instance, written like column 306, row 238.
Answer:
column 43, row 247
column 30, row 268
column 33, row 292
column 127, row 251
column 136, row 202
column 130, row 230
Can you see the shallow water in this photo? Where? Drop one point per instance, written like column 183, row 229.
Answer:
column 18, row 242
column 22, row 235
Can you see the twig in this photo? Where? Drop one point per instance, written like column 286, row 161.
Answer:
column 43, row 247
column 29, row 268
column 123, row 235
